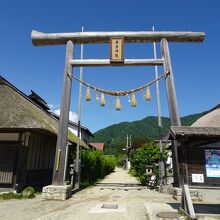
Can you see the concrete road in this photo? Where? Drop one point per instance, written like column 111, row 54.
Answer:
column 119, row 196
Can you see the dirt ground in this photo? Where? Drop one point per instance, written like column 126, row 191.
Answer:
column 121, row 194
column 118, row 189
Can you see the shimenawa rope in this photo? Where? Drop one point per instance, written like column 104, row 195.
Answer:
column 118, row 93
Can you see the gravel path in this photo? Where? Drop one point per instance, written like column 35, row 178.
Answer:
column 118, row 189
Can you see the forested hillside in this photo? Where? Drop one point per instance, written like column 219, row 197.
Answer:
column 114, row 136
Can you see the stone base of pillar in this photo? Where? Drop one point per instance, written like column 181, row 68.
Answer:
column 57, row 192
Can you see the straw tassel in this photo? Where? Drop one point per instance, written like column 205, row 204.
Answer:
column 102, row 102
column 88, row 94
column 148, row 96
column 133, row 100
column 118, row 104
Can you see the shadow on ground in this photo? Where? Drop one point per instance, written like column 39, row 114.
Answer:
column 207, row 209
column 118, row 184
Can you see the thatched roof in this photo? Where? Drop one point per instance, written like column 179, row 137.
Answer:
column 210, row 119
column 19, row 112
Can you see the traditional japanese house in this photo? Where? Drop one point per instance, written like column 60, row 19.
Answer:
column 28, row 133
column 199, row 150
column 85, row 133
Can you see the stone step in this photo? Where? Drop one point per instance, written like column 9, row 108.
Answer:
column 159, row 211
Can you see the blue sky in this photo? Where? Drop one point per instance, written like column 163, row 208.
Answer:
column 195, row 65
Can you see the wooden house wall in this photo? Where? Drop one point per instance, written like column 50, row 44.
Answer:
column 196, row 164
column 7, row 164
column 12, row 159
column 40, row 161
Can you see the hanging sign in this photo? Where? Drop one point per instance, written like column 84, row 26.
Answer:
column 117, row 50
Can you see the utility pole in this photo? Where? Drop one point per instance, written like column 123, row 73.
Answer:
column 78, row 165
column 126, row 164
column 128, row 153
column 161, row 163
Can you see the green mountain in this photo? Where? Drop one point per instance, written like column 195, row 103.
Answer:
column 114, row 136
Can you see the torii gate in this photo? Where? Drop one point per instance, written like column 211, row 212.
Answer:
column 70, row 39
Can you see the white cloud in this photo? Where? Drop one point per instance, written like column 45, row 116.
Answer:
column 57, row 111
column 72, row 115
column 52, row 106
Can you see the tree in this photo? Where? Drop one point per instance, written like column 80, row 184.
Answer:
column 137, row 142
column 147, row 154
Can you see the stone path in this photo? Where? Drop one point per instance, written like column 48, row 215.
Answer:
column 119, row 193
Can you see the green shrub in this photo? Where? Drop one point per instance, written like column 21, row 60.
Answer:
column 144, row 179
column 95, row 166
column 147, row 154
column 133, row 172
column 28, row 192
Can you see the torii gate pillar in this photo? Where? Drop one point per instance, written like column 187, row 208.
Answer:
column 62, row 137
column 58, row 190
column 173, row 107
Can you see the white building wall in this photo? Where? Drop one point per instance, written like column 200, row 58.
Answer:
column 83, row 134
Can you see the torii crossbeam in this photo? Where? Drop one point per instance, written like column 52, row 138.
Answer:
column 45, row 39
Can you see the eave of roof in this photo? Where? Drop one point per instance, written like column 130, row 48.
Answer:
column 186, row 131
column 74, row 139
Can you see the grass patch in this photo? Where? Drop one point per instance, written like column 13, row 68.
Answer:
column 27, row 193
column 10, row 195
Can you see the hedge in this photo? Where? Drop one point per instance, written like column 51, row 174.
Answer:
column 95, row 165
